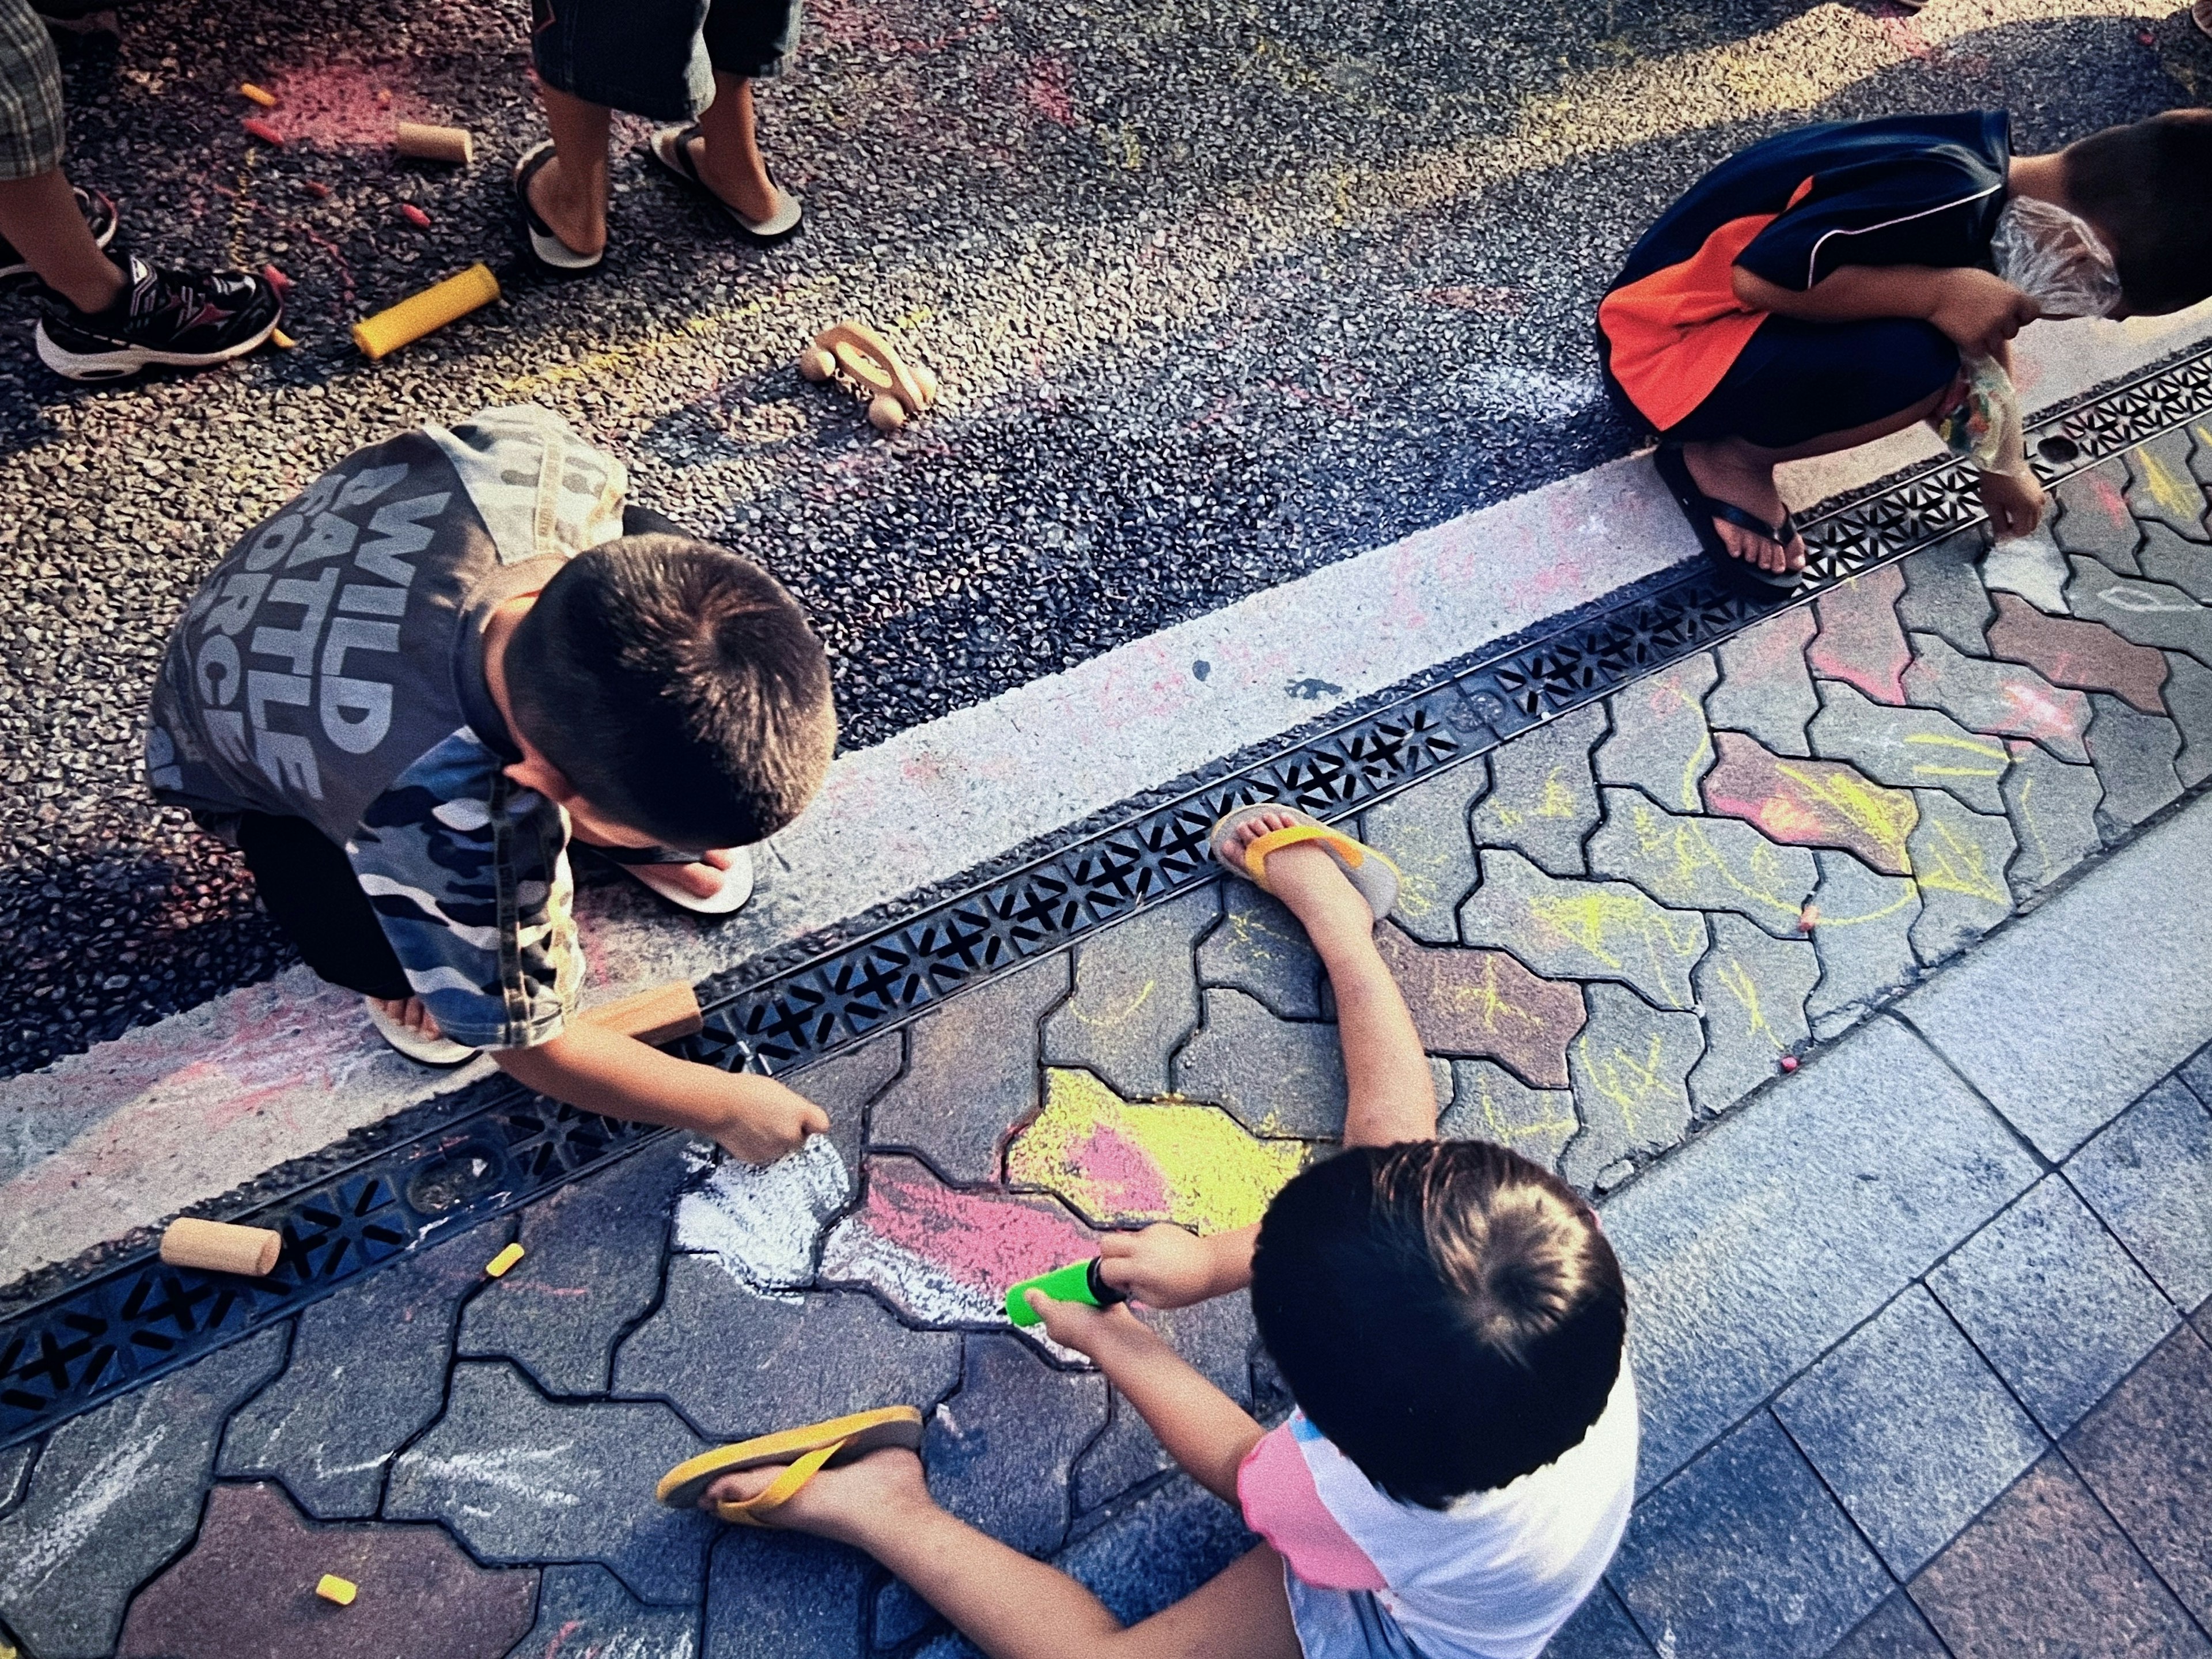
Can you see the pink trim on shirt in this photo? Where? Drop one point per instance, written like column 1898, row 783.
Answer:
column 1280, row 1504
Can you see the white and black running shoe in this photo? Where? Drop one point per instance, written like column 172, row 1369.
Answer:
column 99, row 217
column 188, row 319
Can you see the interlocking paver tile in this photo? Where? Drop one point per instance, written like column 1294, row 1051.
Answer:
column 1258, row 948
column 246, row 1589
column 1660, row 744
column 2084, row 656
column 1484, row 1004
column 943, row 1257
column 1216, row 1336
column 1998, row 699
column 2134, row 755
column 1909, row 747
column 1860, row 639
column 590, row 1266
column 114, row 1495
column 1863, row 937
column 845, row 1086
column 1765, row 687
column 1119, row 1161
column 1751, row 988
column 2166, row 557
column 1423, row 831
column 779, row 1593
column 584, row 1613
column 1701, row 864
column 1628, row 1065
column 1135, row 999
column 1811, row 803
column 1276, row 1076
column 900, row 1615
column 2031, row 566
column 764, row 1220
column 2160, row 486
column 15, row 1472
column 2044, row 1571
column 1958, row 861
column 1943, row 593
column 2054, row 1303
column 1542, row 799
column 1764, row 1241
column 2146, row 1451
column 367, row 1372
column 1565, row 929
column 1600, row 1629
column 2148, row 1175
column 1911, row 1429
column 1895, row 1630
column 1001, row 1451
column 2093, row 516
column 1490, row 1104
column 971, row 1072
column 2196, row 1073
column 1742, row 1556
column 519, row 1477
column 737, row 1363
column 2189, row 698
column 1157, row 1549
column 2146, row 612
column 2053, row 808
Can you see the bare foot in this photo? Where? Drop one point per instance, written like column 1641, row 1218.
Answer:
column 578, row 217
column 1309, row 880
column 704, row 878
column 848, row 1503
column 1724, row 472
column 748, row 190
column 408, row 1012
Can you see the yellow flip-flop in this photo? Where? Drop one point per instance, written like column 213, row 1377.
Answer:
column 808, row 1451
column 1374, row 876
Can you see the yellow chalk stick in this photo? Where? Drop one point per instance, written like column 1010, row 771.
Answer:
column 284, row 341
column 506, row 1259
column 422, row 313
column 254, row 94
column 331, row 1588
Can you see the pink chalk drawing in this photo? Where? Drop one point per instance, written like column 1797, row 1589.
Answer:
column 1046, row 91
column 1860, row 641
column 342, row 104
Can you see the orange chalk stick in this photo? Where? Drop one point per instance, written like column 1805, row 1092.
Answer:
column 424, row 142
column 660, row 1015
column 264, row 131
column 425, row 313
column 277, row 279
column 189, row 1241
column 254, row 94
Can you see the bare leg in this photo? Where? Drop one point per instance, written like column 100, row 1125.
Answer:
column 1007, row 1605
column 727, row 151
column 40, row 217
column 1742, row 474
column 570, row 191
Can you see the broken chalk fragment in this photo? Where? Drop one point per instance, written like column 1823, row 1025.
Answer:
column 413, row 215
column 264, row 131
column 1809, row 918
column 254, row 94
column 277, row 279
column 284, row 341
column 1789, row 1062
column 331, row 1588
column 498, row 1265
column 315, row 189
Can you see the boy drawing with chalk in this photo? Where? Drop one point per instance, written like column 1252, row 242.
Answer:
column 1837, row 283
column 402, row 694
column 1447, row 1315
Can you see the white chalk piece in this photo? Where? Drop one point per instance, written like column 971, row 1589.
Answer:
column 221, row 1247
column 429, row 143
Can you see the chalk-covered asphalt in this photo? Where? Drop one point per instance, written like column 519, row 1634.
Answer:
column 1219, row 292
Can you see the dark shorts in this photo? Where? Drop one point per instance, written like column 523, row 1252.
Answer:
column 658, row 58
column 1797, row 381
column 310, row 892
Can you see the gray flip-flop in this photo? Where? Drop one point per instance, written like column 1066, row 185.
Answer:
column 1374, row 876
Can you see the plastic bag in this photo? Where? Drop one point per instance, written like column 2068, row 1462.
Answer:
column 1984, row 427
column 2055, row 259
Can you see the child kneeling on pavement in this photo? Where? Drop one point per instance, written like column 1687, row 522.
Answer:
column 1447, row 1315
column 401, row 694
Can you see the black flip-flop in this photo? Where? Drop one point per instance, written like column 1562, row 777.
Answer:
column 547, row 249
column 671, row 150
column 1701, row 509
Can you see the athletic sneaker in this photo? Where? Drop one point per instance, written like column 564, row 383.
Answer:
column 189, row 319
column 99, row 217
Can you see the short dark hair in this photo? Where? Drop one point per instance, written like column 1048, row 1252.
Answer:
column 1447, row 1312
column 2148, row 187
column 678, row 688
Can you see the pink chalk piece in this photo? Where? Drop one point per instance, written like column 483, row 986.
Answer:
column 264, row 131
column 1861, row 641
column 985, row 1240
column 277, row 279
column 413, row 215
column 1789, row 1062
column 314, row 188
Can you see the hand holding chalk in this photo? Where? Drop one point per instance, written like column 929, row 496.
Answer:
column 1078, row 1281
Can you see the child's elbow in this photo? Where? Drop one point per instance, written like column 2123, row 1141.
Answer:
column 1751, row 289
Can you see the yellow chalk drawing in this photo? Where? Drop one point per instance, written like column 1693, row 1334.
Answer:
column 1620, row 1078
column 1558, row 800
column 1909, row 894
column 1951, row 863
column 2034, row 824
column 1687, row 842
column 1509, row 818
column 1551, row 1119
column 1613, row 927
column 620, row 362
column 1488, row 1003
column 2182, row 500
column 1121, row 1160
column 1735, row 979
column 1988, row 751
column 1886, row 815
column 1112, row 1017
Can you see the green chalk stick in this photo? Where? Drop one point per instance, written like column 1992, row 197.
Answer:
column 1078, row 1281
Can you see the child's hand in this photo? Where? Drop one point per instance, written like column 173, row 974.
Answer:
column 767, row 1121
column 1086, row 1329
column 1162, row 1267
column 2014, row 501
column 1980, row 311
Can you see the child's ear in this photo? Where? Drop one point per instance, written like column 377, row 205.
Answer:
column 534, row 771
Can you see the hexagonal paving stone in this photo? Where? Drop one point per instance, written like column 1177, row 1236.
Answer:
column 1811, row 803
column 1423, row 831
column 1958, row 861
column 2053, row 808
column 1751, row 988
column 1702, row 863
column 1150, row 1553
column 1136, row 997
column 2161, row 488
column 2188, row 697
column 776, row 1595
column 114, row 1495
column 1542, row 800
column 247, row 1591
column 1860, row 640
column 584, row 1613
column 2146, row 612
column 2084, row 656
column 1490, row 1104
column 2134, row 755
column 2166, row 557
column 737, row 1363
column 1864, row 937
column 1910, row 748
column 1943, row 592
column 1584, row 929
column 1001, row 1452
column 520, row 1478
column 1629, row 1066
column 971, row 1072
column 1660, row 744
column 1479, row 1004
column 2093, row 516
column 1999, row 699
column 1216, row 1336
column 1258, row 948
column 1765, row 687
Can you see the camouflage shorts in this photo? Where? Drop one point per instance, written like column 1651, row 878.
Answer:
column 31, row 129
